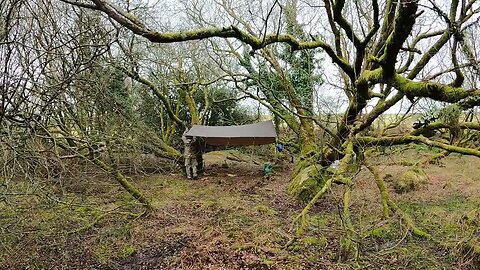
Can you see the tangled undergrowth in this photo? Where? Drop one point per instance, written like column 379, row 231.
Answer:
column 233, row 218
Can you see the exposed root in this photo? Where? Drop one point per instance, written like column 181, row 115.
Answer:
column 348, row 243
column 301, row 218
column 388, row 204
column 382, row 187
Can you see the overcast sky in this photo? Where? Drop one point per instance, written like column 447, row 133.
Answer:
column 173, row 15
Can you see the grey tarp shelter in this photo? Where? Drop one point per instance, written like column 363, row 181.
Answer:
column 252, row 134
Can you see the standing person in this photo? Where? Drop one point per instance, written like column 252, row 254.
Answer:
column 190, row 158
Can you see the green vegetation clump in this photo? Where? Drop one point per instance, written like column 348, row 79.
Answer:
column 127, row 251
column 317, row 241
column 410, row 180
column 450, row 115
column 378, row 232
column 426, row 148
column 265, row 210
column 305, row 184
column 472, row 217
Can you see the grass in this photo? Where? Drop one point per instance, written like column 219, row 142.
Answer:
column 446, row 219
column 234, row 219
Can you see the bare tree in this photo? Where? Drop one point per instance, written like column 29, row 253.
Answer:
column 384, row 52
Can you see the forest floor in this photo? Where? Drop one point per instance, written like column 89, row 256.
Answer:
column 233, row 218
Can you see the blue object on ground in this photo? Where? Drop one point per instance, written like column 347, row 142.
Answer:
column 279, row 147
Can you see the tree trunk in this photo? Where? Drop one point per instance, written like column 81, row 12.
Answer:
column 276, row 121
column 308, row 175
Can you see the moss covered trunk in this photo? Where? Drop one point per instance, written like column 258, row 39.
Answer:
column 307, row 176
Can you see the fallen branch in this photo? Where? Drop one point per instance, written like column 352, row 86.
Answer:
column 382, row 187
column 389, row 141
column 124, row 182
column 388, row 204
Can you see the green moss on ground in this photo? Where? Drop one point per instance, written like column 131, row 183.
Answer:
column 232, row 223
column 411, row 180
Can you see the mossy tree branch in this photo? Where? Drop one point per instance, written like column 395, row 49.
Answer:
column 382, row 187
column 404, row 22
column 255, row 42
column 440, row 125
column 328, row 183
column 435, row 91
column 157, row 92
column 92, row 155
column 123, row 181
column 387, row 25
column 349, row 245
column 389, row 141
